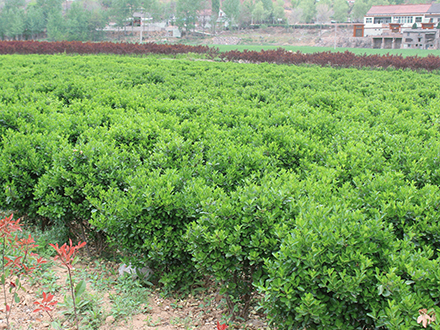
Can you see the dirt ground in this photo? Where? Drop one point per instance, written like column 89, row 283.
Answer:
column 192, row 312
column 275, row 36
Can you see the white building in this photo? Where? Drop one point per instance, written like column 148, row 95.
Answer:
column 204, row 18
column 386, row 19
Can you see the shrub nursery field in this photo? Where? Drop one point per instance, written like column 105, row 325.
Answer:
column 313, row 189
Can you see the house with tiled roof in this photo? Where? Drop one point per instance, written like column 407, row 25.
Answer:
column 403, row 26
column 434, row 13
column 204, row 18
column 379, row 18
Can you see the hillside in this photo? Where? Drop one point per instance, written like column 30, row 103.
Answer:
column 277, row 36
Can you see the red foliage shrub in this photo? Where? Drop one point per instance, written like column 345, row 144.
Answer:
column 78, row 47
column 345, row 59
column 279, row 56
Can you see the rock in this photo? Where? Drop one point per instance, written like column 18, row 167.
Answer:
column 109, row 319
column 144, row 271
column 226, row 40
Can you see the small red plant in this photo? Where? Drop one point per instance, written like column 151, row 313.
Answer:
column 46, row 305
column 66, row 254
column 221, row 326
column 21, row 261
column 8, row 226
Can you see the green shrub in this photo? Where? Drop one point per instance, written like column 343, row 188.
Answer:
column 24, row 159
column 410, row 210
column 337, row 269
column 78, row 174
column 148, row 220
column 236, row 233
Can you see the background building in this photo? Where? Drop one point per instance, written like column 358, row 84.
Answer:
column 403, row 26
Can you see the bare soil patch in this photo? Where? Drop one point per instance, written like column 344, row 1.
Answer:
column 200, row 310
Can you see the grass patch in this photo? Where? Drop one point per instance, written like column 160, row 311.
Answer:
column 309, row 49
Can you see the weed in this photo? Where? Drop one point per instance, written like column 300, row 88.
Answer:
column 185, row 322
column 43, row 239
column 46, row 278
column 150, row 323
column 94, row 315
column 89, row 306
column 99, row 277
column 176, row 305
column 130, row 298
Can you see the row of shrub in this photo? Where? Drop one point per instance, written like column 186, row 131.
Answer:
column 345, row 59
column 315, row 187
column 280, row 56
column 79, row 47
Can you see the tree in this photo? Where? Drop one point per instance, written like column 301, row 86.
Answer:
column 55, row 26
column 119, row 12
column 13, row 5
column 232, row 10
column 309, row 10
column 323, row 13
column 160, row 11
column 340, row 10
column 97, row 20
column 386, row 2
column 215, row 7
column 85, row 21
column 278, row 12
column 35, row 23
column 77, row 23
column 50, row 7
column 267, row 5
column 2, row 32
column 259, row 14
column 4, row 22
column 360, row 8
column 246, row 9
column 186, row 13
column 268, row 10
column 122, row 10
column 17, row 26
column 13, row 23
column 295, row 3
column 12, row 19
column 399, row 2
column 296, row 15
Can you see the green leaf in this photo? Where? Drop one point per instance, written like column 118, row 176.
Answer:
column 380, row 289
column 80, row 288
column 16, row 298
column 387, row 293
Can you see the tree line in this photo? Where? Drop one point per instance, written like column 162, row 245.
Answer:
column 85, row 19
column 23, row 19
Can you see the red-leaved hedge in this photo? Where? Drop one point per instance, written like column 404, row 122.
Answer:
column 345, row 59
column 78, row 47
column 279, row 56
